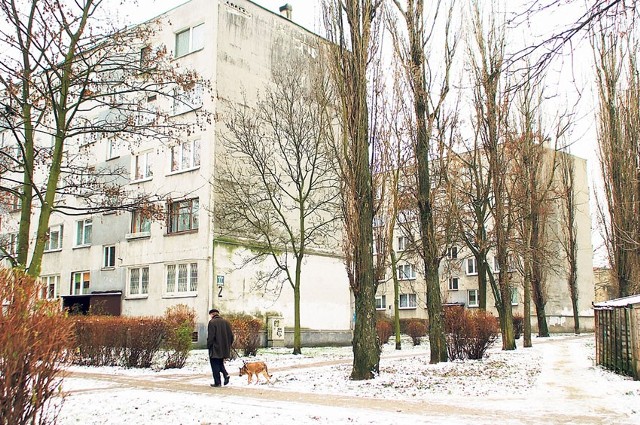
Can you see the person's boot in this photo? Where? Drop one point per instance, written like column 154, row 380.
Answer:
column 226, row 379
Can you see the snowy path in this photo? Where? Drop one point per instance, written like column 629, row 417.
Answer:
column 564, row 388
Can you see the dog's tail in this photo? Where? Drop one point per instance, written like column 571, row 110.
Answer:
column 266, row 369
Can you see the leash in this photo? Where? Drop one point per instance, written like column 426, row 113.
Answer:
column 238, row 354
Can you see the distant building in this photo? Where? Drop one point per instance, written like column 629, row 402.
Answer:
column 459, row 269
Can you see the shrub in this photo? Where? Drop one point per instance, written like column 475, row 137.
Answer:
column 483, row 331
column 246, row 330
column 384, row 329
column 117, row 341
column 416, row 329
column 34, row 339
column 469, row 333
column 518, row 324
column 180, row 320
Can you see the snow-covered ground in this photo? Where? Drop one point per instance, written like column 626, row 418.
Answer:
column 555, row 381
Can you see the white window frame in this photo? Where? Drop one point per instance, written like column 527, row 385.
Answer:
column 475, row 297
column 496, row 265
column 179, row 211
column 84, row 232
column 196, row 40
column 141, row 168
column 407, row 301
column 137, row 285
column 12, row 244
column 407, row 216
column 381, row 302
column 113, row 148
column 109, row 256
column 187, row 101
column 403, row 242
column 54, row 239
column 185, row 156
column 471, row 266
column 50, row 287
column 140, row 223
column 514, row 296
column 406, row 271
column 83, row 285
column 452, row 252
column 454, row 283
column 178, row 284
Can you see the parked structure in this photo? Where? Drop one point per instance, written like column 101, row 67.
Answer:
column 129, row 264
column 617, row 327
column 459, row 271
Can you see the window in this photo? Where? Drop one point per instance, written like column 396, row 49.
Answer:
column 514, row 296
column 403, row 242
column 11, row 243
column 187, row 100
column 83, row 232
column 407, row 216
column 472, row 266
column 80, row 283
column 381, row 302
column 378, row 245
column 142, row 166
column 113, row 150
column 454, row 283
column 496, row 265
column 182, row 278
column 185, row 156
column 140, row 222
column 378, row 221
column 109, row 257
column 183, row 215
column 190, row 40
column 145, row 58
column 452, row 252
column 50, row 287
column 15, row 201
column 408, row 301
column 54, row 239
column 406, row 271
column 473, row 298
column 139, row 281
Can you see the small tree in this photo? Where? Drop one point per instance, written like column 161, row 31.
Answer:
column 277, row 184
column 35, row 339
column 180, row 320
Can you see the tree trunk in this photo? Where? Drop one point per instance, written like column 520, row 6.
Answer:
column 396, row 299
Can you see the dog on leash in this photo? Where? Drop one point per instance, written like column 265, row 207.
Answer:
column 255, row 368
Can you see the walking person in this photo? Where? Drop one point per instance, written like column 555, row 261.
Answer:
column 219, row 340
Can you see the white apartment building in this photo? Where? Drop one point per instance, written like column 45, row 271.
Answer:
column 125, row 263
column 459, row 273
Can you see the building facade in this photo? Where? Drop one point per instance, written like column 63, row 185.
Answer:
column 128, row 263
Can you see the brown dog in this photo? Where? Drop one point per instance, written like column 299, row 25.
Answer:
column 255, row 368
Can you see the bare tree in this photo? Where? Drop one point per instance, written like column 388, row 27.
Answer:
column 428, row 99
column 276, row 182
column 352, row 26
column 618, row 134
column 570, row 237
column 69, row 77
column 492, row 104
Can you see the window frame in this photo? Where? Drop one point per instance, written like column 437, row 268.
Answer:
column 82, row 282
column 46, row 287
column 401, row 271
column 138, row 220
column 410, row 301
column 477, row 298
column 177, row 156
column 108, row 256
column 190, row 47
column 403, row 243
column 142, row 162
column 452, row 252
column 452, row 280
column 87, row 236
column 59, row 232
column 190, row 290
column 383, row 302
column 471, row 271
column 174, row 216
column 142, row 291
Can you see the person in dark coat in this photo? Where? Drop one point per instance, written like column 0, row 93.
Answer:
column 219, row 340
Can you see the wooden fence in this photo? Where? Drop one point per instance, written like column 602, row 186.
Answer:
column 617, row 331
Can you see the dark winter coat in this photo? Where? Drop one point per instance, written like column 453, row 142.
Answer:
column 219, row 338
